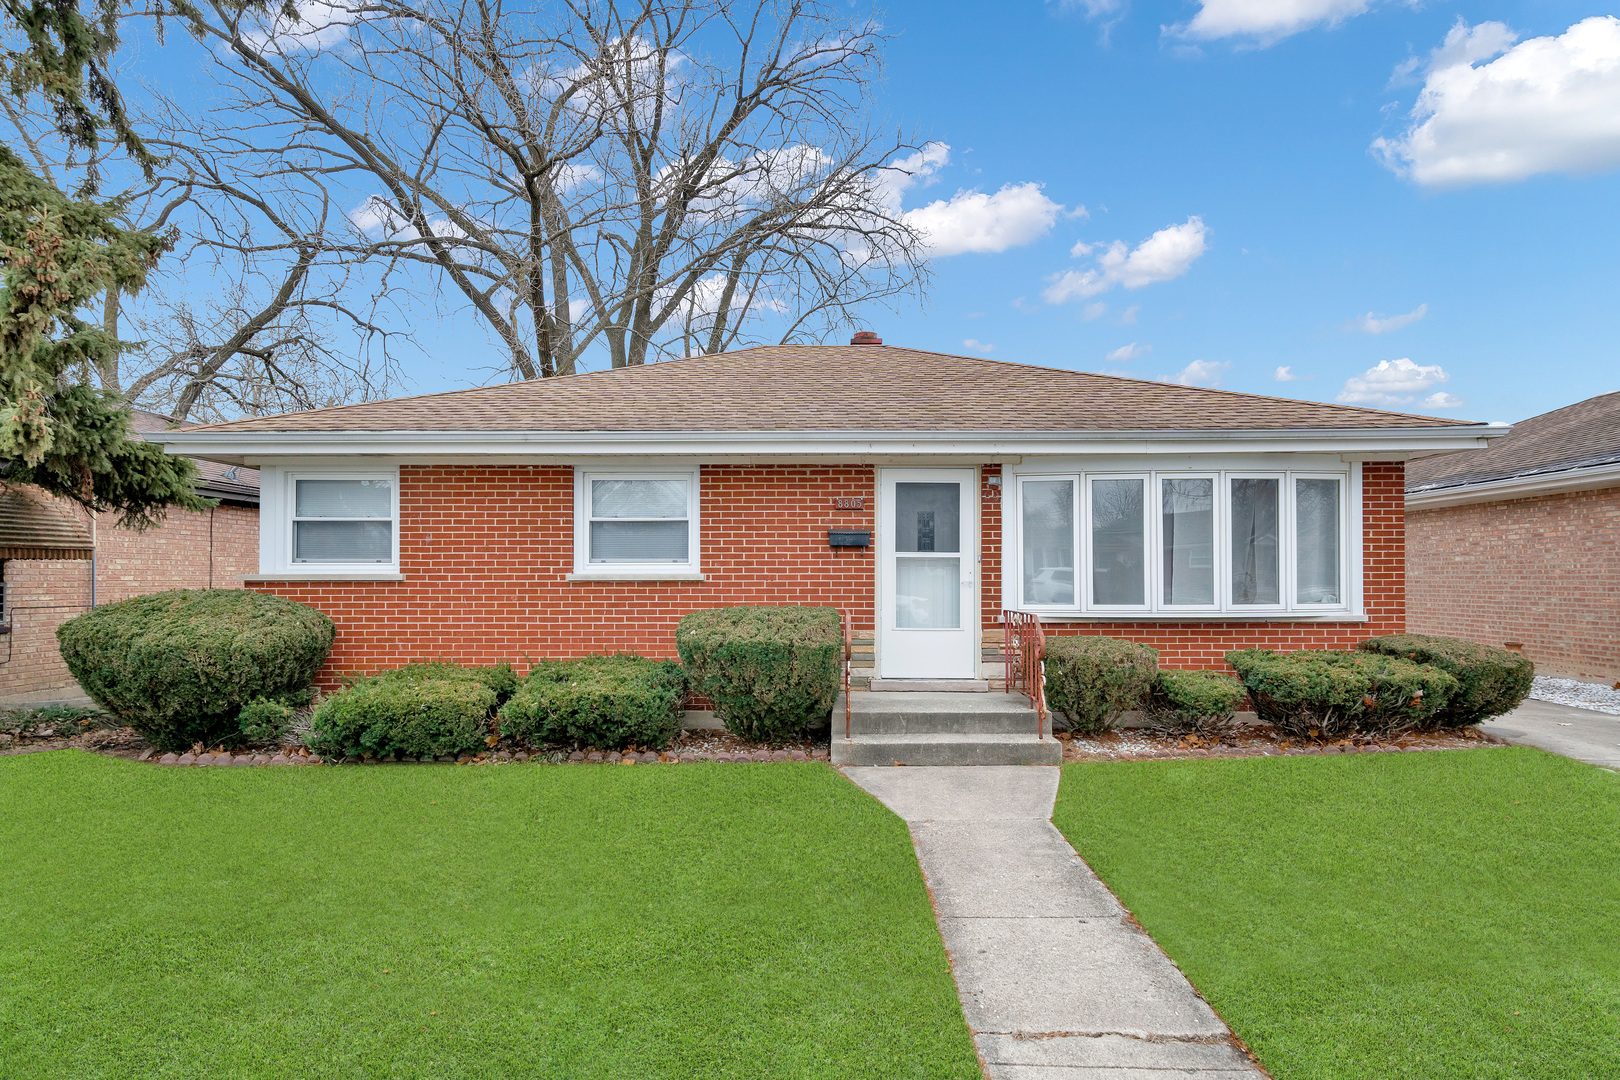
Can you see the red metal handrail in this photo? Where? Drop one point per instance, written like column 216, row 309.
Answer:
column 1024, row 652
column 849, row 652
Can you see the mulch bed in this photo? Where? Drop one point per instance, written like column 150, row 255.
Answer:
column 1128, row 744
column 687, row 746
column 1135, row 744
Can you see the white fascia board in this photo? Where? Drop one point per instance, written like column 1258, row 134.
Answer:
column 246, row 446
column 1516, row 487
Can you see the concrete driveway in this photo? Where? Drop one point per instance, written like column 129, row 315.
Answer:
column 1582, row 734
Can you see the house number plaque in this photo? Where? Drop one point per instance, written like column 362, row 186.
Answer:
column 849, row 504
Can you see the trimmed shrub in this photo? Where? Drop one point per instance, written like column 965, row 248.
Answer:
column 1490, row 681
column 500, row 678
column 179, row 666
column 1193, row 703
column 263, row 722
column 406, row 711
column 772, row 672
column 1327, row 694
column 607, row 702
column 1094, row 679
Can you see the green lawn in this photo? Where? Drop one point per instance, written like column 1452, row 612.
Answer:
column 439, row 922
column 1416, row 915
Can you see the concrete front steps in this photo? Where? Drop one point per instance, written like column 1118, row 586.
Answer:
column 891, row 727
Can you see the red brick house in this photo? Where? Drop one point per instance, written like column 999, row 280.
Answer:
column 921, row 493
column 1519, row 544
column 57, row 561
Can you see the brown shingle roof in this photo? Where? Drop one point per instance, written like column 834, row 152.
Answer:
column 834, row 388
column 233, row 483
column 36, row 528
column 1577, row 436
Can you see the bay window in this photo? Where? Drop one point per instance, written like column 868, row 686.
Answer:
column 1181, row 542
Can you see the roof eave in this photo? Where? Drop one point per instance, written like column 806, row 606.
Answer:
column 1515, row 487
column 243, row 446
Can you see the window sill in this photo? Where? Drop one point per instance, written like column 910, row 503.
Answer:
column 304, row 575
column 639, row 575
column 1202, row 617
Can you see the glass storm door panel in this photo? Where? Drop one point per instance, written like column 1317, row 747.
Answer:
column 928, row 547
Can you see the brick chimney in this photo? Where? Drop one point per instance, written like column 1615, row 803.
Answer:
column 865, row 337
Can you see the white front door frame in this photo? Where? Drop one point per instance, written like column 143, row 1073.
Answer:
column 918, row 653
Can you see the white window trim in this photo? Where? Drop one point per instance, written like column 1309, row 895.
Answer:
column 279, row 499
column 585, row 570
column 1224, row 610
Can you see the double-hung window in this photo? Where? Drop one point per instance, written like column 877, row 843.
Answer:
column 343, row 522
column 636, row 523
column 1182, row 542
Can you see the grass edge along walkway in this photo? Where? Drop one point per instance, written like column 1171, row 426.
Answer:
column 1415, row 915
column 533, row 921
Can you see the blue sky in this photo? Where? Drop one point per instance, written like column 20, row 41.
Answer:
column 1197, row 191
column 1307, row 231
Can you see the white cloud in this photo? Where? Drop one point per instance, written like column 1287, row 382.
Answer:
column 974, row 221
column 1198, row 373
column 1128, row 316
column 1393, row 382
column 1383, row 324
column 921, row 167
column 1549, row 104
column 1265, row 21
column 975, row 345
column 1286, row 374
column 1165, row 255
column 1442, row 400
column 1095, row 310
column 1094, row 9
column 319, row 26
column 376, row 216
column 1128, row 352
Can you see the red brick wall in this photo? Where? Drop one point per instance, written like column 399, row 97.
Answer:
column 1544, row 572
column 1204, row 645
column 486, row 551
column 188, row 551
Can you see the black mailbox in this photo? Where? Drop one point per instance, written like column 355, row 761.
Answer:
column 849, row 538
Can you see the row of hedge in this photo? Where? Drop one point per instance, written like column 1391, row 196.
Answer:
column 1386, row 686
column 230, row 666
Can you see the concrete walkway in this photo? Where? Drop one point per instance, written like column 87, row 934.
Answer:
column 1055, row 981
column 1583, row 734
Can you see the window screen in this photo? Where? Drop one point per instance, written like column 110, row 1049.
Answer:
column 640, row 520
column 343, row 521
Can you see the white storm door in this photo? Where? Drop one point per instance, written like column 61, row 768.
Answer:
column 928, row 559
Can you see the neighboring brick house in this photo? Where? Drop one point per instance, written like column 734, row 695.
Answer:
column 57, row 561
column 1519, row 544
column 918, row 492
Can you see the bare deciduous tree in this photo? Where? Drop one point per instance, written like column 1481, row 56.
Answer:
column 253, row 311
column 650, row 178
